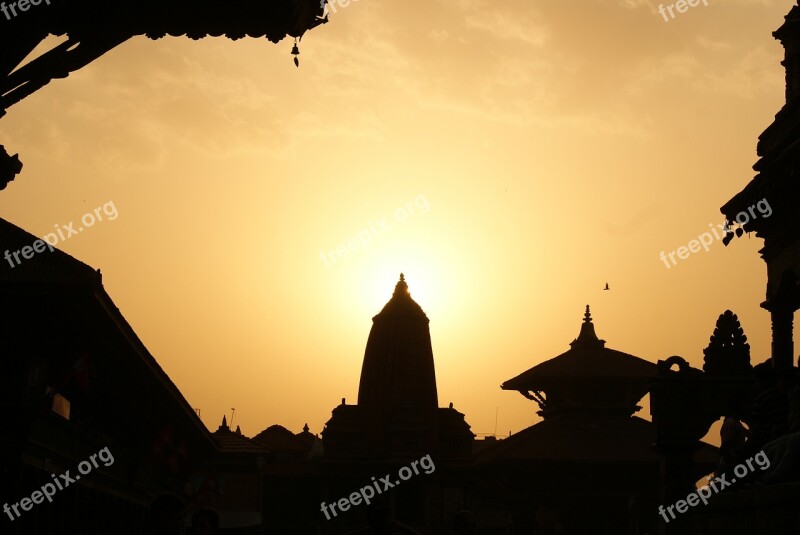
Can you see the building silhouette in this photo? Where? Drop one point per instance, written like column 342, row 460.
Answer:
column 590, row 453
column 685, row 401
column 397, row 421
column 76, row 380
column 397, row 416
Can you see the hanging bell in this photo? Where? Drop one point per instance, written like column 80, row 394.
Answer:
column 295, row 53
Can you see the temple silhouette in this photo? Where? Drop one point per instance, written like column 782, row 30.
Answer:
column 590, row 453
column 77, row 379
column 397, row 416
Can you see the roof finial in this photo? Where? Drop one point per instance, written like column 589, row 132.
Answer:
column 224, row 425
column 305, row 428
column 402, row 287
column 587, row 336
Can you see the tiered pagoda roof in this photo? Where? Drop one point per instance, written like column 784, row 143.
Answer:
column 589, row 378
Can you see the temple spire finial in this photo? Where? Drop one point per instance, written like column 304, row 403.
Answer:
column 402, row 286
column 401, row 302
column 224, row 425
column 587, row 336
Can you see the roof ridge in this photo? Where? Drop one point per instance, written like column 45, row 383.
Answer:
column 48, row 266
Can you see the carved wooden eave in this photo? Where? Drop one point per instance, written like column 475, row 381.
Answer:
column 775, row 189
column 778, row 166
column 94, row 27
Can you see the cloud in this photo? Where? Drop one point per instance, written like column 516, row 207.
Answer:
column 509, row 26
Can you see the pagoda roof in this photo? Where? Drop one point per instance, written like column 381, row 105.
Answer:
column 587, row 358
column 778, row 147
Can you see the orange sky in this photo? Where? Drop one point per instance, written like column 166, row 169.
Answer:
column 557, row 146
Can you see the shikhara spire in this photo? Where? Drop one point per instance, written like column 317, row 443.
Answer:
column 402, row 287
column 398, row 379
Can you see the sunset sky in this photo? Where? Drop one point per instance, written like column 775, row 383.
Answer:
column 546, row 148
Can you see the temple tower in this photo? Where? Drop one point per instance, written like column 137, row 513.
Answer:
column 397, row 391
column 398, row 414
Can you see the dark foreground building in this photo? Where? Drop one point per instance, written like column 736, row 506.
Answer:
column 765, row 499
column 76, row 380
